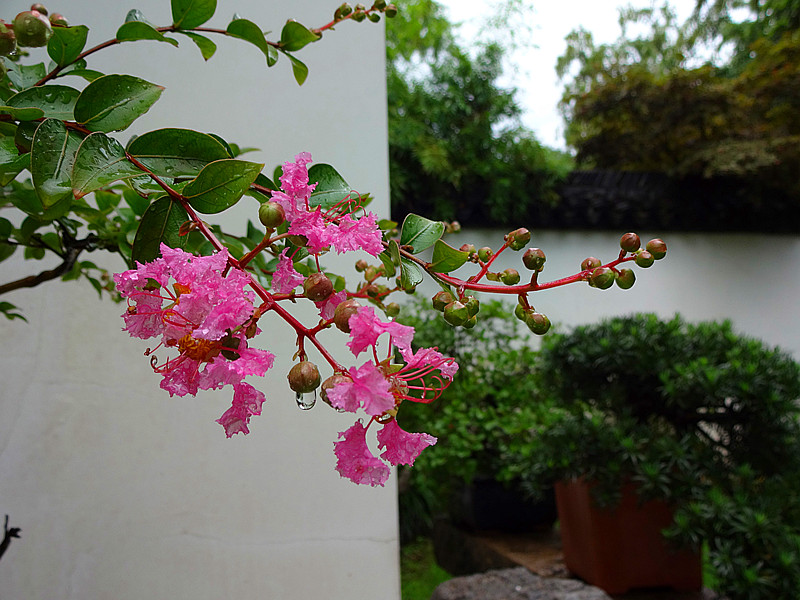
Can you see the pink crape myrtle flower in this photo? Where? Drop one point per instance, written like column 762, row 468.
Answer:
column 195, row 307
column 355, row 461
column 333, row 227
column 379, row 388
column 402, row 448
column 286, row 279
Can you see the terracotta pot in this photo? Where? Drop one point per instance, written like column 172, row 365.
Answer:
column 621, row 548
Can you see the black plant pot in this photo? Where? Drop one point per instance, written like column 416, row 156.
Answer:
column 488, row 505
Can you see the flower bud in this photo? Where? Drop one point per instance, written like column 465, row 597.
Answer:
column 472, row 304
column 379, row 4
column 391, row 11
column 318, row 287
column 534, row 259
column 485, row 253
column 32, row 29
column 442, row 299
column 39, row 8
column 456, row 313
column 330, row 382
column 361, row 265
column 590, row 263
column 471, row 322
column 537, row 323
column 509, row 277
column 343, row 312
column 374, row 17
column 630, row 242
column 392, row 309
column 304, row 377
column 657, row 248
column 602, row 278
column 341, row 12
column 469, row 248
column 626, row 279
column 644, row 259
column 519, row 238
column 8, row 41
column 520, row 312
column 370, row 273
column 59, row 19
column 271, row 214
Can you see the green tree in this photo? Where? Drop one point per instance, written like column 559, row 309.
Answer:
column 458, row 149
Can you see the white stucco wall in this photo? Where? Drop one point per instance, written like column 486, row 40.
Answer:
column 749, row 279
column 123, row 492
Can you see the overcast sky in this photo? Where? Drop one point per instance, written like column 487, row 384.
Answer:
column 539, row 90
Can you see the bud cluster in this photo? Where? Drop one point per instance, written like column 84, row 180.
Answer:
column 360, row 12
column 30, row 29
column 603, row 277
column 459, row 312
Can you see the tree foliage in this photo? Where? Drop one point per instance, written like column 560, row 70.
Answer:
column 708, row 97
column 457, row 147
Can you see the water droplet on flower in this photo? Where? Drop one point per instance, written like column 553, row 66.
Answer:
column 306, row 401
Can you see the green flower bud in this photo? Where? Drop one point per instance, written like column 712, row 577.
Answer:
column 590, row 263
column 537, row 323
column 39, row 8
column 379, row 4
column 657, row 248
column 341, row 12
column 391, row 11
column 510, row 277
column 471, row 322
column 602, row 278
column 374, row 17
column 644, row 259
column 8, row 41
column 304, row 377
column 318, row 287
column 361, row 265
column 442, row 299
column 519, row 238
column 520, row 312
column 343, row 312
column 630, row 242
column 32, row 29
column 456, row 313
column 626, row 279
column 485, row 253
column 271, row 214
column 59, row 19
column 469, row 248
column 534, row 259
column 392, row 309
column 473, row 305
column 359, row 15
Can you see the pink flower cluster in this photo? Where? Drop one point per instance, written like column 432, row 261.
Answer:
column 200, row 308
column 333, row 228
column 377, row 387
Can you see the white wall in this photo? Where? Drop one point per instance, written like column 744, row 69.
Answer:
column 123, row 492
column 750, row 279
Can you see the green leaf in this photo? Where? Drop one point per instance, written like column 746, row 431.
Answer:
column 250, row 32
column 11, row 161
column 331, row 187
column 220, row 185
column 100, row 161
column 299, row 69
column 206, row 46
column 22, row 114
column 24, row 76
column 420, row 233
column 87, row 74
column 394, row 252
column 386, row 259
column 295, row 36
column 137, row 203
column 67, row 43
column 139, row 30
column 113, row 102
column 176, row 152
column 188, row 14
column 446, row 258
column 52, row 157
column 8, row 310
column 6, row 250
column 160, row 223
column 55, row 101
column 410, row 274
